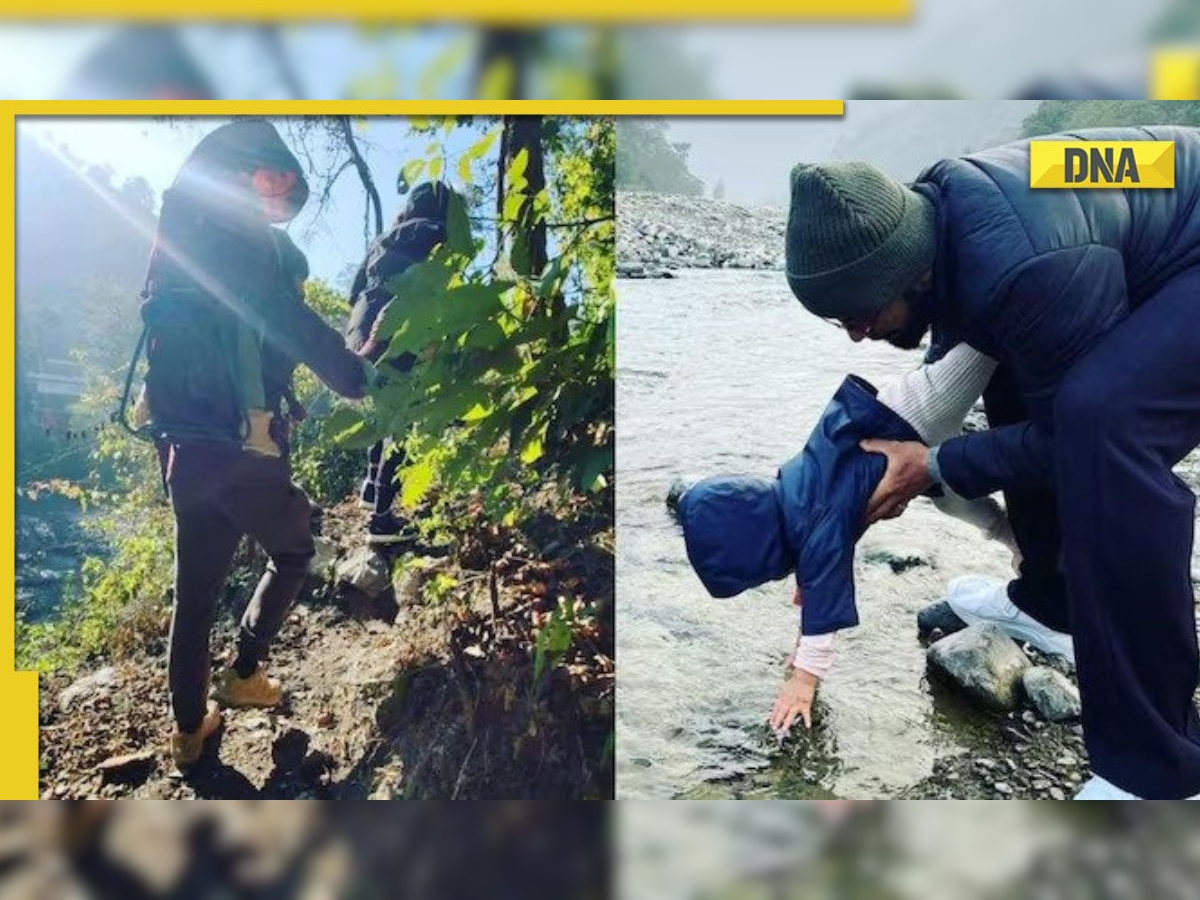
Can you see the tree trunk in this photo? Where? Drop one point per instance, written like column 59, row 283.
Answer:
column 527, row 238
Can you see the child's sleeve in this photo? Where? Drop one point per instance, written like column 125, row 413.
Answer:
column 935, row 398
column 825, row 573
column 814, row 654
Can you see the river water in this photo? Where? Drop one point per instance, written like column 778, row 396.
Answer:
column 724, row 372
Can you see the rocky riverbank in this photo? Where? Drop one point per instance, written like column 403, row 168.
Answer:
column 658, row 233
column 1024, row 706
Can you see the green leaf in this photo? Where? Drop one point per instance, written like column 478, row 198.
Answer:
column 410, row 172
column 516, row 169
column 435, row 168
column 464, row 169
column 589, row 475
column 483, row 145
column 416, row 480
column 512, row 207
column 521, row 255
column 548, row 286
column 458, row 227
column 477, row 413
column 439, row 316
column 532, row 451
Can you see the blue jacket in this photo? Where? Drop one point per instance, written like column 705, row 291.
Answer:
column 745, row 531
column 1034, row 278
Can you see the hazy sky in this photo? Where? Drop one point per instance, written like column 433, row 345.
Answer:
column 155, row 151
column 754, row 156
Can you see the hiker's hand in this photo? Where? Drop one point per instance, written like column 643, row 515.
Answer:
column 794, row 701
column 371, row 373
column 906, row 476
column 797, row 598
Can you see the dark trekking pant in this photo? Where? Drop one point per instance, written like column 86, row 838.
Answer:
column 1041, row 589
column 1124, row 416
column 381, row 471
column 219, row 494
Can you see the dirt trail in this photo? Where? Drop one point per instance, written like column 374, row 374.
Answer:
column 431, row 697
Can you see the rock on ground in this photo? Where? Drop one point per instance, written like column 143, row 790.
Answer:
column 984, row 662
column 898, row 559
column 413, row 574
column 97, row 684
column 365, row 571
column 1051, row 693
column 324, row 559
column 938, row 617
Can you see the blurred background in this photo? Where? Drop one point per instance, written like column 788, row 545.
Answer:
column 831, row 850
column 270, row 849
column 663, row 851
column 951, row 48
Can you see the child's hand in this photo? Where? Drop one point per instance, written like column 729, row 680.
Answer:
column 794, row 701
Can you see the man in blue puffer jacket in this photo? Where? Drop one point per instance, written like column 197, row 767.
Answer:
column 1090, row 302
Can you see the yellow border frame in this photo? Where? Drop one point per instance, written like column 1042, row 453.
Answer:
column 19, row 690
column 522, row 12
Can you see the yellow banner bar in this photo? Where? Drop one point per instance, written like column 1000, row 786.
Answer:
column 468, row 11
column 431, row 108
column 1102, row 164
column 18, row 690
column 1175, row 74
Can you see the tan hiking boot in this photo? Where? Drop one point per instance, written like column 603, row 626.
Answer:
column 259, row 440
column 186, row 747
column 257, row 692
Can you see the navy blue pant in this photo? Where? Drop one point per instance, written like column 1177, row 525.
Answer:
column 1041, row 589
column 1127, row 413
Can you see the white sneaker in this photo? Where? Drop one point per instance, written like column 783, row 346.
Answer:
column 1098, row 788
column 975, row 598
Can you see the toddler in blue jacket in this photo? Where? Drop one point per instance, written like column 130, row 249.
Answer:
column 744, row 531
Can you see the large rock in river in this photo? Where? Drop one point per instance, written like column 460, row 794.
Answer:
column 984, row 662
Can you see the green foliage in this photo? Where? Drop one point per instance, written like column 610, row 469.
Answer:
column 327, row 471
column 1053, row 116
column 553, row 638
column 513, row 385
column 117, row 604
column 647, row 161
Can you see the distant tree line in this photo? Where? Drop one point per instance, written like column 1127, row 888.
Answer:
column 648, row 161
column 1069, row 115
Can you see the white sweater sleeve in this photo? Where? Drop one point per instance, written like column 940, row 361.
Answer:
column 935, row 398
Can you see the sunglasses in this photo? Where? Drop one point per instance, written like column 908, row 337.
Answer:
column 863, row 325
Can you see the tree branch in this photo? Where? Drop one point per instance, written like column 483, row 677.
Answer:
column 374, row 204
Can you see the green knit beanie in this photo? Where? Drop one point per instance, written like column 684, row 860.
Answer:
column 856, row 239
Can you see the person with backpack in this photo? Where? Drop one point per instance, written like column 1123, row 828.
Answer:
column 419, row 228
column 225, row 324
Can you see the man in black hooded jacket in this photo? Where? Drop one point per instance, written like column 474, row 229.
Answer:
column 418, row 229
column 218, row 268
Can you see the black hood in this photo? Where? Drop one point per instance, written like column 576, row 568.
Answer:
column 241, row 146
column 428, row 200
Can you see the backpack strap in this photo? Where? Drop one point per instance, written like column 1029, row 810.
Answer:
column 120, row 416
